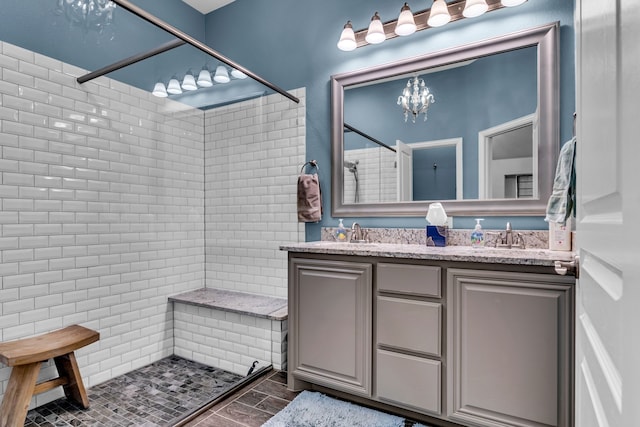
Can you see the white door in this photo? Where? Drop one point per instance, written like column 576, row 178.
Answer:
column 608, row 222
column 404, row 161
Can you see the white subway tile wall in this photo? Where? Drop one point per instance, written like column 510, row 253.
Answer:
column 227, row 340
column 102, row 192
column 102, row 212
column 253, row 154
column 377, row 176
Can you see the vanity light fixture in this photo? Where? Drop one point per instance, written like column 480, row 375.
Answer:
column 159, row 90
column 222, row 75
column 375, row 33
column 406, row 23
column 189, row 82
column 347, row 40
column 204, row 78
column 415, row 99
column 173, row 87
column 440, row 14
column 474, row 8
column 237, row 74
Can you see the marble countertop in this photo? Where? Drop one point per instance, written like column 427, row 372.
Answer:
column 237, row 302
column 538, row 257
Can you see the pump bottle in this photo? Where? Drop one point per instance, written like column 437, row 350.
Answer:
column 341, row 232
column 477, row 235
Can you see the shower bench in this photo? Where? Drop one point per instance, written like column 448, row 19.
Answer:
column 25, row 357
column 230, row 329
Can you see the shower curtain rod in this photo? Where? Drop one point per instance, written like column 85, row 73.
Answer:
column 125, row 4
column 370, row 138
column 130, row 60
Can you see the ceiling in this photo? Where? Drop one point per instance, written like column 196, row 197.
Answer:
column 206, row 6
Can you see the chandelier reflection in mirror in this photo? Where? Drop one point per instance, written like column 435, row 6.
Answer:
column 415, row 99
column 88, row 14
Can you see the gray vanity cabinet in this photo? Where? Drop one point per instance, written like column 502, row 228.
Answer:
column 510, row 350
column 478, row 344
column 330, row 324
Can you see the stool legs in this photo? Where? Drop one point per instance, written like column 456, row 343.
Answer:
column 74, row 388
column 22, row 386
column 17, row 397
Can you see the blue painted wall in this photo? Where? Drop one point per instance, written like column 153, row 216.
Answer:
column 35, row 25
column 291, row 43
column 434, row 174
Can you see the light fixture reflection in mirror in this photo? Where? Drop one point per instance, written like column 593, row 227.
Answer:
column 541, row 40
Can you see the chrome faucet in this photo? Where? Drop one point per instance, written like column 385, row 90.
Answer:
column 507, row 239
column 357, row 235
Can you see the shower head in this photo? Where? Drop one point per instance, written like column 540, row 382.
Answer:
column 352, row 166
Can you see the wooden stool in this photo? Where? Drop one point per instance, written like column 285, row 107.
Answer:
column 26, row 355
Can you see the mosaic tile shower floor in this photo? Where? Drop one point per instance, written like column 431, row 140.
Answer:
column 153, row 395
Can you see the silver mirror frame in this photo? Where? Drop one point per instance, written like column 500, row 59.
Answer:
column 546, row 38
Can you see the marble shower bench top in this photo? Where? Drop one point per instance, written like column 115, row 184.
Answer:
column 537, row 257
column 234, row 301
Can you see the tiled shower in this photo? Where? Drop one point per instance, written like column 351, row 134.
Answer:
column 113, row 200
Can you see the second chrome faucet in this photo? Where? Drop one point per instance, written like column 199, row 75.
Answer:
column 507, row 239
column 357, row 234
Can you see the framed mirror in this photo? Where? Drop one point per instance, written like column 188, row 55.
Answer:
column 489, row 143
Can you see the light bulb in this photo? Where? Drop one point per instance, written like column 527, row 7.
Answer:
column 222, row 75
column 439, row 14
column 406, row 24
column 238, row 74
column 189, row 82
column 347, row 40
column 159, row 90
column 473, row 8
column 375, row 33
column 204, row 78
column 174, row 86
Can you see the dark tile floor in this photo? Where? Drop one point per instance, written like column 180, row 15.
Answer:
column 162, row 393
column 154, row 395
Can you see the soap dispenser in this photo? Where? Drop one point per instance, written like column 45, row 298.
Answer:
column 341, row 232
column 477, row 235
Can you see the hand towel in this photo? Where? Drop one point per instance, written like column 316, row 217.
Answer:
column 309, row 195
column 563, row 197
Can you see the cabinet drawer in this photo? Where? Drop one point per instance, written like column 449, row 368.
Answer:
column 409, row 325
column 412, row 279
column 409, row 381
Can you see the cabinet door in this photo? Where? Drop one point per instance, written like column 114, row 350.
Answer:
column 510, row 348
column 330, row 324
column 408, row 381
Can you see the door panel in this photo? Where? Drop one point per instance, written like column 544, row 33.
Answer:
column 330, row 324
column 404, row 163
column 608, row 212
